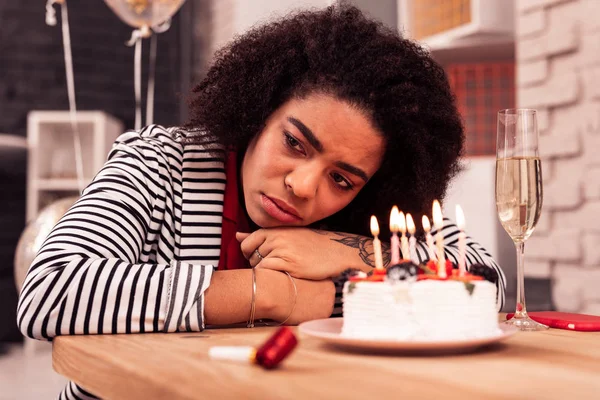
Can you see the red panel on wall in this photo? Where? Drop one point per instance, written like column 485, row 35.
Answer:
column 482, row 89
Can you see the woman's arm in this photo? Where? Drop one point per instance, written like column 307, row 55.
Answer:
column 314, row 254
column 87, row 277
column 228, row 298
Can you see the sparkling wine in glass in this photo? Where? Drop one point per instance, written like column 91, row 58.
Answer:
column 519, row 192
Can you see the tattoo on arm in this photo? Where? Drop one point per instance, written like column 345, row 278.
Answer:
column 362, row 243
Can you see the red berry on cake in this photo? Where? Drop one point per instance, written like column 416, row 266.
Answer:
column 432, row 266
column 449, row 267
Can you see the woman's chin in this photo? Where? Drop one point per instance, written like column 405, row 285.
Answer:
column 262, row 221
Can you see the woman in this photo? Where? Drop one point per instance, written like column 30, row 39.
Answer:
column 300, row 131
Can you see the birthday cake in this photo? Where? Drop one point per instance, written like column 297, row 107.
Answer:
column 410, row 302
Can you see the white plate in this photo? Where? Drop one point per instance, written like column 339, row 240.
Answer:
column 329, row 330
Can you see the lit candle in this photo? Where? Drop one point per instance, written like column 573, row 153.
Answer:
column 376, row 243
column 394, row 228
column 438, row 222
column 412, row 241
column 460, row 221
column 429, row 238
column 403, row 240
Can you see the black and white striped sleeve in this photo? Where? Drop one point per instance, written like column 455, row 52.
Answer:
column 474, row 254
column 87, row 278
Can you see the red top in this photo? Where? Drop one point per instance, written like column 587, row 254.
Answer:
column 234, row 220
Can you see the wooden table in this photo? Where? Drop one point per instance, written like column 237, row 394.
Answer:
column 554, row 364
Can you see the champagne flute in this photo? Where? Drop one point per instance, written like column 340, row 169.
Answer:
column 519, row 192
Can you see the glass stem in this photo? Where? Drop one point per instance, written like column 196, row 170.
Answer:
column 521, row 311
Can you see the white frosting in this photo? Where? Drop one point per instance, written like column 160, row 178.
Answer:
column 427, row 310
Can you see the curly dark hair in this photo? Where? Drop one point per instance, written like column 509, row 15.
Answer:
column 340, row 52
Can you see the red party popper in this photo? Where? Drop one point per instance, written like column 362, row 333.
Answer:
column 268, row 356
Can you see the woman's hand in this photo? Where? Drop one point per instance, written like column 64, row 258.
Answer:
column 306, row 253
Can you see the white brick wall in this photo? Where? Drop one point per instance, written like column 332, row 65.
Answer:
column 591, row 76
column 557, row 90
column 564, row 245
column 589, row 16
column 585, row 218
column 544, row 225
column 529, row 73
column 591, row 191
column 567, row 288
column 559, row 35
column 591, row 250
column 565, row 189
column 543, row 120
column 531, row 23
column 558, row 64
column 538, row 269
column 524, row 6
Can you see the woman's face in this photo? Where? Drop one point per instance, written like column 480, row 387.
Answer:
column 312, row 158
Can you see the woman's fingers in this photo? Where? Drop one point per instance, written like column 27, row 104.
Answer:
column 240, row 236
column 272, row 263
column 251, row 243
column 255, row 246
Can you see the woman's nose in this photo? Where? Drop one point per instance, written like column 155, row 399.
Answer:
column 303, row 181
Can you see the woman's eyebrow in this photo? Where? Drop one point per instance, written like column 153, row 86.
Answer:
column 314, row 142
column 307, row 133
column 353, row 170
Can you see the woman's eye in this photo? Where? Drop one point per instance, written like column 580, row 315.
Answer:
column 342, row 182
column 293, row 143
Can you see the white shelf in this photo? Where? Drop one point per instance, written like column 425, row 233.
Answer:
column 12, row 149
column 59, row 184
column 489, row 34
column 12, row 142
column 51, row 171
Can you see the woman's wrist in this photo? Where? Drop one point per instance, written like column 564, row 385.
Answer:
column 357, row 251
column 274, row 295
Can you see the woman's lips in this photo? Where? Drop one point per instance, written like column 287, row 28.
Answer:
column 277, row 212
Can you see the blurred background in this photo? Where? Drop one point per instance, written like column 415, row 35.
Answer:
column 542, row 54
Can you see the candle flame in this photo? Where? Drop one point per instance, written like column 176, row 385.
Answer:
column 402, row 222
column 410, row 224
column 374, row 226
column 438, row 219
column 460, row 218
column 426, row 225
column 394, row 217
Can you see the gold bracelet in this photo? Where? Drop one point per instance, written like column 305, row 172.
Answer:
column 295, row 298
column 253, row 304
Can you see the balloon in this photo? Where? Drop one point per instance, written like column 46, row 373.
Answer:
column 35, row 233
column 144, row 13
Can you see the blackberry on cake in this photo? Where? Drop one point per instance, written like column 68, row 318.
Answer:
column 404, row 271
column 487, row 273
